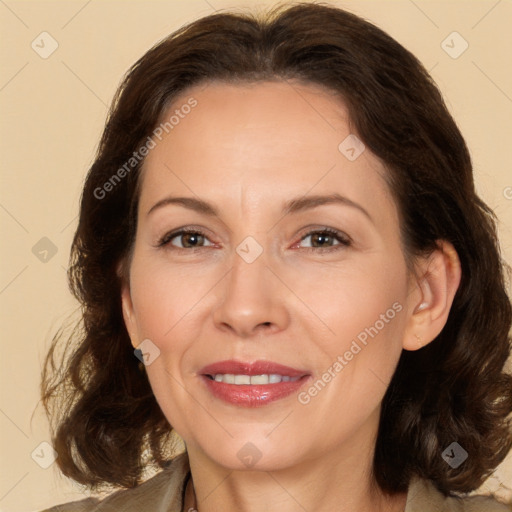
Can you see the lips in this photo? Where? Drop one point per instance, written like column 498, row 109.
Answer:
column 240, row 383
column 256, row 368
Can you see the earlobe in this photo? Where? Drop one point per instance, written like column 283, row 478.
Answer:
column 437, row 281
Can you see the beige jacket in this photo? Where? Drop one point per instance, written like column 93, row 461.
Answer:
column 163, row 493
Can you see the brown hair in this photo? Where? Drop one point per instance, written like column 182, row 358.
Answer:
column 454, row 389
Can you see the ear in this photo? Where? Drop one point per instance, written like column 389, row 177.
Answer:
column 128, row 312
column 431, row 295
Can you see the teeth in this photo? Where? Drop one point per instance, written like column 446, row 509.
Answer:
column 242, row 379
column 273, row 378
column 259, row 379
column 229, row 378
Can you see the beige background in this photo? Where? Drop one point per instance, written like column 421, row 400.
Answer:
column 53, row 111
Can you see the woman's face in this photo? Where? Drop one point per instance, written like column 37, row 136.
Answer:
column 262, row 171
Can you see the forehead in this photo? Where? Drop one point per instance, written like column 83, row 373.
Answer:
column 265, row 138
column 277, row 115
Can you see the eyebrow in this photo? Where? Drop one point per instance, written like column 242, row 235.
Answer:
column 296, row 205
column 307, row 202
column 198, row 205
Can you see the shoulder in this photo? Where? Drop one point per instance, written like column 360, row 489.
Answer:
column 161, row 493
column 423, row 496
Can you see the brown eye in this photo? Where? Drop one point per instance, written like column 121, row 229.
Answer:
column 326, row 239
column 191, row 239
column 185, row 240
column 322, row 239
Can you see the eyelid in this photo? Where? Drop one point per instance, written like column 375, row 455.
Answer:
column 167, row 237
column 343, row 239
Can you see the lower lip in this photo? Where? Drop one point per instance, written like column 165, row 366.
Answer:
column 247, row 395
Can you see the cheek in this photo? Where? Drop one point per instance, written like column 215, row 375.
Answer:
column 358, row 336
column 167, row 301
column 360, row 300
column 165, row 295
column 164, row 300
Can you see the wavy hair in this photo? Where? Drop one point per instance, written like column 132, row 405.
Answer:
column 106, row 424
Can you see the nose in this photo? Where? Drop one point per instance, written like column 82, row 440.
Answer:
column 252, row 300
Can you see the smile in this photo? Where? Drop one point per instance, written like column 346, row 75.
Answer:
column 273, row 378
column 252, row 384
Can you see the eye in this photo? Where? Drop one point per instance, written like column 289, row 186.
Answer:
column 319, row 240
column 187, row 239
column 329, row 239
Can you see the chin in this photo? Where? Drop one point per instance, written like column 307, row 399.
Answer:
column 255, row 453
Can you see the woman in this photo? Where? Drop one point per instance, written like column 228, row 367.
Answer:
column 282, row 258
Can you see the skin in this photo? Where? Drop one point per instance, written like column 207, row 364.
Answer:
column 247, row 149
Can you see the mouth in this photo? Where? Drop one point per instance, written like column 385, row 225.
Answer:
column 252, row 384
column 240, row 380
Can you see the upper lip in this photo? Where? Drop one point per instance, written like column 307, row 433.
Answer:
column 254, row 368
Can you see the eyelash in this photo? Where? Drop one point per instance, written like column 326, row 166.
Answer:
column 344, row 240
